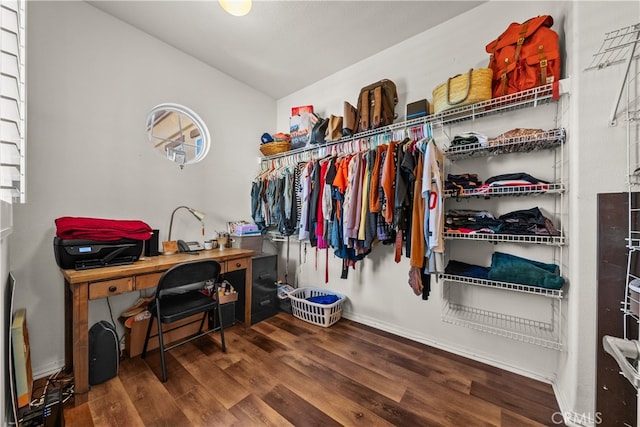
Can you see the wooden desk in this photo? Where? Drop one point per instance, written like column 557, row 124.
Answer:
column 85, row 285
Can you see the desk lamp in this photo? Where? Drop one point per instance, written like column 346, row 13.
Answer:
column 198, row 214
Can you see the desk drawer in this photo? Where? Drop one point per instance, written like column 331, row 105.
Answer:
column 146, row 281
column 110, row 287
column 236, row 264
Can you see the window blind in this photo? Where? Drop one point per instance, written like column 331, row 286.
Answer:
column 12, row 102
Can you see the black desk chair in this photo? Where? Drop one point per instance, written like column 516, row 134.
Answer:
column 179, row 295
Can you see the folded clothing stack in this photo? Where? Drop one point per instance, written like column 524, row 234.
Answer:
column 462, row 181
column 520, row 222
column 245, row 230
column 514, row 269
column 511, row 269
column 468, row 138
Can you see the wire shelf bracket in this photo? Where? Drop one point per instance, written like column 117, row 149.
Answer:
column 516, row 287
column 507, row 238
column 618, row 46
column 516, row 328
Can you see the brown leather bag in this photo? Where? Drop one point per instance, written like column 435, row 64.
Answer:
column 376, row 105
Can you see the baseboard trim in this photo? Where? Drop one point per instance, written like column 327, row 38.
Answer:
column 48, row 369
column 570, row 417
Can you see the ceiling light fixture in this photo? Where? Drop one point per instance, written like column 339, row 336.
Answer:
column 236, row 7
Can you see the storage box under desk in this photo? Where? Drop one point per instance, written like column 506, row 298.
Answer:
column 228, row 311
column 172, row 332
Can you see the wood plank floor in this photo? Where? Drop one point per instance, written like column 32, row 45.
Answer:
column 286, row 372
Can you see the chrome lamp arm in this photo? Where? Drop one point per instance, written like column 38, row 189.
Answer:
column 198, row 214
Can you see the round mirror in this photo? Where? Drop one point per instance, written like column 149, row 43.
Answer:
column 178, row 134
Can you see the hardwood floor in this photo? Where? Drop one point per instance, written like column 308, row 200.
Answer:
column 284, row 371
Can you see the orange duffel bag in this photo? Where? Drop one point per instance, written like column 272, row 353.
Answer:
column 525, row 56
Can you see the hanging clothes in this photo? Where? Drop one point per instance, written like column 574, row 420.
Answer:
column 351, row 201
column 370, row 218
column 364, row 198
column 288, row 208
column 384, row 231
column 328, row 203
column 320, row 219
column 409, row 161
column 387, row 182
column 432, row 190
column 341, row 250
column 416, row 259
column 312, row 217
column 374, row 185
column 402, row 201
column 304, row 194
column 257, row 213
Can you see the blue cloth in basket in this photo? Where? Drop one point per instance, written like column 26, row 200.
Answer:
column 324, row 299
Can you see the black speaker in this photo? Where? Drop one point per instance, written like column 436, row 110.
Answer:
column 151, row 247
column 104, row 352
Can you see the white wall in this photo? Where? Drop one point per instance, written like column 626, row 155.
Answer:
column 91, row 81
column 378, row 290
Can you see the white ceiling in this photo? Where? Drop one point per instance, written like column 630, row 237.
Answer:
column 283, row 46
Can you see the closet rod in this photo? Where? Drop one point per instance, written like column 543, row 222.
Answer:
column 362, row 135
column 415, row 132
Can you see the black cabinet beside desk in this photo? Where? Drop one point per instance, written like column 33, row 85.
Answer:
column 264, row 294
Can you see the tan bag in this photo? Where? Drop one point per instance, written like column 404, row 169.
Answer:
column 350, row 121
column 463, row 89
column 334, row 128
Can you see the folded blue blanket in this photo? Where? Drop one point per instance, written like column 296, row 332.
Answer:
column 324, row 299
column 514, row 269
column 460, row 268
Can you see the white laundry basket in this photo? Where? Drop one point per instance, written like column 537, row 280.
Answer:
column 319, row 314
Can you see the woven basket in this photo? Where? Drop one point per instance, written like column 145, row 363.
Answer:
column 277, row 147
column 463, row 89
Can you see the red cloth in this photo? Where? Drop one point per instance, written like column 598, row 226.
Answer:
column 79, row 228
